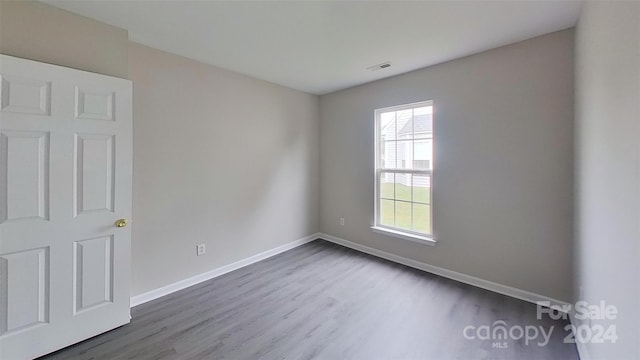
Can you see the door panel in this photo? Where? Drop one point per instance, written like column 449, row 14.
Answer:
column 93, row 275
column 94, row 171
column 24, row 164
column 65, row 178
column 24, row 288
column 94, row 105
column 23, row 95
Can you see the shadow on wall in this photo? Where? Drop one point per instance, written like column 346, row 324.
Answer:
column 220, row 159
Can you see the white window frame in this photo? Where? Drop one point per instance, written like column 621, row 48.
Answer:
column 428, row 239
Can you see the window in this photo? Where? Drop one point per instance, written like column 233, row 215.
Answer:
column 404, row 159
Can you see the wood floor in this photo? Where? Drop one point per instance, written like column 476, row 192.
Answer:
column 325, row 301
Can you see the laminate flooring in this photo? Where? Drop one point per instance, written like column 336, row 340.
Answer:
column 325, row 301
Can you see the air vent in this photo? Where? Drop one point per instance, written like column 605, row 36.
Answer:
column 384, row 65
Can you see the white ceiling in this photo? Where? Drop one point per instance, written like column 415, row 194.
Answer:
column 321, row 46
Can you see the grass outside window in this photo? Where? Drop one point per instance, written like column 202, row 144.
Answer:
column 396, row 210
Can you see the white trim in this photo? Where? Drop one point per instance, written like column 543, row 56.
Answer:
column 182, row 284
column 401, row 107
column 379, row 170
column 404, row 235
column 467, row 279
column 583, row 352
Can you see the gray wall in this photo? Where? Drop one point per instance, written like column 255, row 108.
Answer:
column 608, row 169
column 503, row 163
column 40, row 32
column 219, row 158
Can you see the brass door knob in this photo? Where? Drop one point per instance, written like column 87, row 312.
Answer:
column 122, row 223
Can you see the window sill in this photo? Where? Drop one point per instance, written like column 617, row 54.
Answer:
column 403, row 235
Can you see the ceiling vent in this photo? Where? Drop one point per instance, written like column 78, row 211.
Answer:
column 384, row 65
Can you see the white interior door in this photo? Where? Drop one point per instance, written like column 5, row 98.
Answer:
column 65, row 180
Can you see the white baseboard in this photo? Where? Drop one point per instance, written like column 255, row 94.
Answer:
column 583, row 353
column 467, row 279
column 166, row 290
column 464, row 278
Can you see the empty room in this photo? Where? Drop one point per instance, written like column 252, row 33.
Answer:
column 363, row 180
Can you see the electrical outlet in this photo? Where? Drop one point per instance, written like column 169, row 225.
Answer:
column 200, row 249
column 342, row 221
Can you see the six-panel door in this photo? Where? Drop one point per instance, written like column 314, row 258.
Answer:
column 65, row 179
